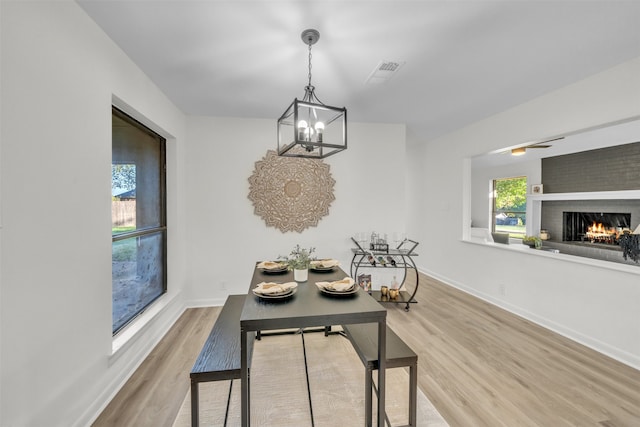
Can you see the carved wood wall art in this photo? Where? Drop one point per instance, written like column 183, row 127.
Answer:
column 291, row 194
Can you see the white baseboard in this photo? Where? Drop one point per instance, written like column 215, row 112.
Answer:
column 208, row 302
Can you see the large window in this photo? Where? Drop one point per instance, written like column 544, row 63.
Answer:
column 510, row 206
column 138, row 219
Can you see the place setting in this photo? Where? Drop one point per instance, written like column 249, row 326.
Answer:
column 275, row 291
column 323, row 265
column 273, row 267
column 338, row 288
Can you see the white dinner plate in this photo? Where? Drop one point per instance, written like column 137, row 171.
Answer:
column 321, row 269
column 281, row 295
column 332, row 292
column 278, row 270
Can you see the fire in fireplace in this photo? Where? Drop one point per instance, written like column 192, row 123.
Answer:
column 594, row 227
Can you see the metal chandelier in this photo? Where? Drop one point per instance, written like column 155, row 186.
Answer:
column 309, row 128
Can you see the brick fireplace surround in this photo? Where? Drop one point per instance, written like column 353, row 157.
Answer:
column 602, row 180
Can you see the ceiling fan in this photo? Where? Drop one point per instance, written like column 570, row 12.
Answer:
column 519, row 151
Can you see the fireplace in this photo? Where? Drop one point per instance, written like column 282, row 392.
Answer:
column 594, row 227
column 552, row 212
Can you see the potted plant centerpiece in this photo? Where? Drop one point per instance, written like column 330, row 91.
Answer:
column 299, row 260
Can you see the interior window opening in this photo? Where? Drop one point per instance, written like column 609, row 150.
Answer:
column 510, row 206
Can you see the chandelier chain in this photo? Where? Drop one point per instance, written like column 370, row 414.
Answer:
column 309, row 64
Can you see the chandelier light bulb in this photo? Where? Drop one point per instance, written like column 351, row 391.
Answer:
column 319, row 130
column 308, row 133
column 302, row 129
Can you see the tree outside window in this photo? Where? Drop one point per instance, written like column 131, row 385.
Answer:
column 510, row 206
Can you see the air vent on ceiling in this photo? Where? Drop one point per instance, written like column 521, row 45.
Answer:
column 383, row 72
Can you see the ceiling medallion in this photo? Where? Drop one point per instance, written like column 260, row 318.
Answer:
column 291, row 194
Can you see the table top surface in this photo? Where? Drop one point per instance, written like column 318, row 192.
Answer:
column 308, row 306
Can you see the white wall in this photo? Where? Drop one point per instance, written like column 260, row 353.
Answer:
column 593, row 305
column 226, row 238
column 59, row 73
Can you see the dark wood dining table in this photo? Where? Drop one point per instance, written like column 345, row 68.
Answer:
column 308, row 307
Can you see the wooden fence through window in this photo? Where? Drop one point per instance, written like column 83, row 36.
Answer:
column 123, row 213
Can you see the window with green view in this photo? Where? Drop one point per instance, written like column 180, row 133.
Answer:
column 510, row 206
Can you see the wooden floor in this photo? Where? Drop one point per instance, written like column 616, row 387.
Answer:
column 154, row 394
column 479, row 365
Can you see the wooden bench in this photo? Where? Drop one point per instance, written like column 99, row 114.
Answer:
column 220, row 356
column 364, row 338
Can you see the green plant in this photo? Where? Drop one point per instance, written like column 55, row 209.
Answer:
column 630, row 244
column 299, row 258
column 532, row 241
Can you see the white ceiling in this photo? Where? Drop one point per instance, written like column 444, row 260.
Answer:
column 465, row 60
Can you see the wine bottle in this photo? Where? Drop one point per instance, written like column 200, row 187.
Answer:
column 394, row 283
column 372, row 260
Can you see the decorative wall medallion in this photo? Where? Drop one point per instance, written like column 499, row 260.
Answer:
column 290, row 193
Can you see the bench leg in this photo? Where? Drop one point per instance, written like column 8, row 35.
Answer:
column 226, row 413
column 194, row 404
column 368, row 399
column 382, row 371
column 413, row 395
column 245, row 404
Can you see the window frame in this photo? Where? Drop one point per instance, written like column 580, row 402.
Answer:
column 160, row 229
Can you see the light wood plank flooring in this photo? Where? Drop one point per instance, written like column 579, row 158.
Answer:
column 153, row 395
column 479, row 365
